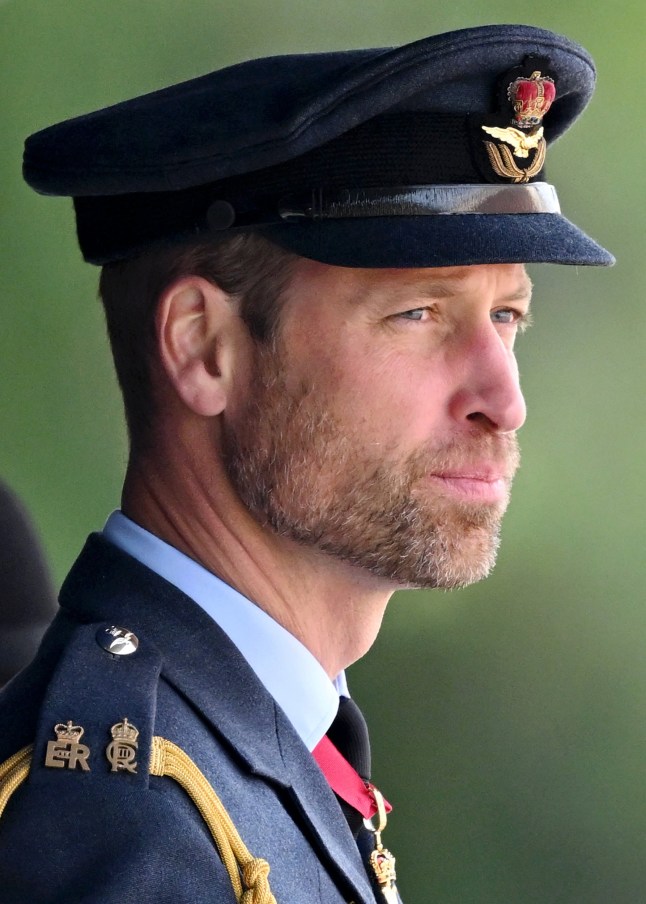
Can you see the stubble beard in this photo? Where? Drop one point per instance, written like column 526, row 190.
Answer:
column 319, row 482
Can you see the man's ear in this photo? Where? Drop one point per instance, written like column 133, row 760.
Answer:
column 195, row 324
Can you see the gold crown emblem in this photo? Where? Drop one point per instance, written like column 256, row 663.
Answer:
column 125, row 731
column 66, row 731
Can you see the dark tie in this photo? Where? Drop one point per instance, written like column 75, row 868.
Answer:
column 349, row 734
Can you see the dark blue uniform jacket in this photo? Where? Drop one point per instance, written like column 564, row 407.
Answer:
column 95, row 835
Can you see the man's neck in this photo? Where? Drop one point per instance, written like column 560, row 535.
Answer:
column 333, row 608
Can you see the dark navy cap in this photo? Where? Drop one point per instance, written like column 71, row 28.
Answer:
column 427, row 155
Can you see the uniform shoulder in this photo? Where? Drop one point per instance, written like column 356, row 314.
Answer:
column 86, row 787
column 54, row 788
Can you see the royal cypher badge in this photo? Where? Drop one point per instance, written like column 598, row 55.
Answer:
column 517, row 151
column 67, row 752
column 122, row 749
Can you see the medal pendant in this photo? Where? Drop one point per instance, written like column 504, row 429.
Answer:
column 382, row 861
column 383, row 866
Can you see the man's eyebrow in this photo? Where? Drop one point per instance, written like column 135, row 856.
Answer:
column 437, row 287
column 442, row 287
column 521, row 294
column 450, row 287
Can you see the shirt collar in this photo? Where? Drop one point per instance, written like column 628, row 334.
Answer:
column 292, row 675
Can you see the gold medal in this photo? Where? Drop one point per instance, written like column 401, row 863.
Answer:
column 381, row 860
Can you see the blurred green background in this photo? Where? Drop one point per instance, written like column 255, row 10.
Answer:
column 509, row 720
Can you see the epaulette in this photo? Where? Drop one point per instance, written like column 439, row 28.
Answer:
column 96, row 725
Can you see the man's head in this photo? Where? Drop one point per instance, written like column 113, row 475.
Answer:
column 316, row 263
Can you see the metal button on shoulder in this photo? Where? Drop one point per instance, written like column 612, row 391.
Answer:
column 117, row 641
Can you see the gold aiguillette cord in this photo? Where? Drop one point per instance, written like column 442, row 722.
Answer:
column 248, row 874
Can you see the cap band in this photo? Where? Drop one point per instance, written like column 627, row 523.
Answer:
column 422, row 200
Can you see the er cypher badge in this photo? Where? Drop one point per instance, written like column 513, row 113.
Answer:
column 66, row 752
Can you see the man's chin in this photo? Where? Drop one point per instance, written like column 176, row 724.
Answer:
column 455, row 578
column 448, row 562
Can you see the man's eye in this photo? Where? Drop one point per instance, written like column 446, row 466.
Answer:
column 520, row 319
column 414, row 314
column 505, row 315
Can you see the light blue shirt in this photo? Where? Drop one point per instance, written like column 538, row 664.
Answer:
column 292, row 675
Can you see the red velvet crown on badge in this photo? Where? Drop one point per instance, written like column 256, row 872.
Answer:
column 531, row 98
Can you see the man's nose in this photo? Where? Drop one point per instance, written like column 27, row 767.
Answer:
column 489, row 391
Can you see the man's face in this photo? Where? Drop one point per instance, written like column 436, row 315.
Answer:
column 380, row 426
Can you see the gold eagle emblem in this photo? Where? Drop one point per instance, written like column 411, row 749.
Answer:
column 519, row 141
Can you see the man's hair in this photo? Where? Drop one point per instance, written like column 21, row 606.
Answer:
column 248, row 267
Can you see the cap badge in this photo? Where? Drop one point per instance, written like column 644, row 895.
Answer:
column 66, row 751
column 122, row 749
column 518, row 152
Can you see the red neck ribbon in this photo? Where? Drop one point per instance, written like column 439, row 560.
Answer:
column 344, row 780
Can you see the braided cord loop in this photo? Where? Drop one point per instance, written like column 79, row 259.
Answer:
column 170, row 760
column 13, row 773
column 248, row 874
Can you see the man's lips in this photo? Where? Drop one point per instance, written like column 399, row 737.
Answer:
column 478, row 484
